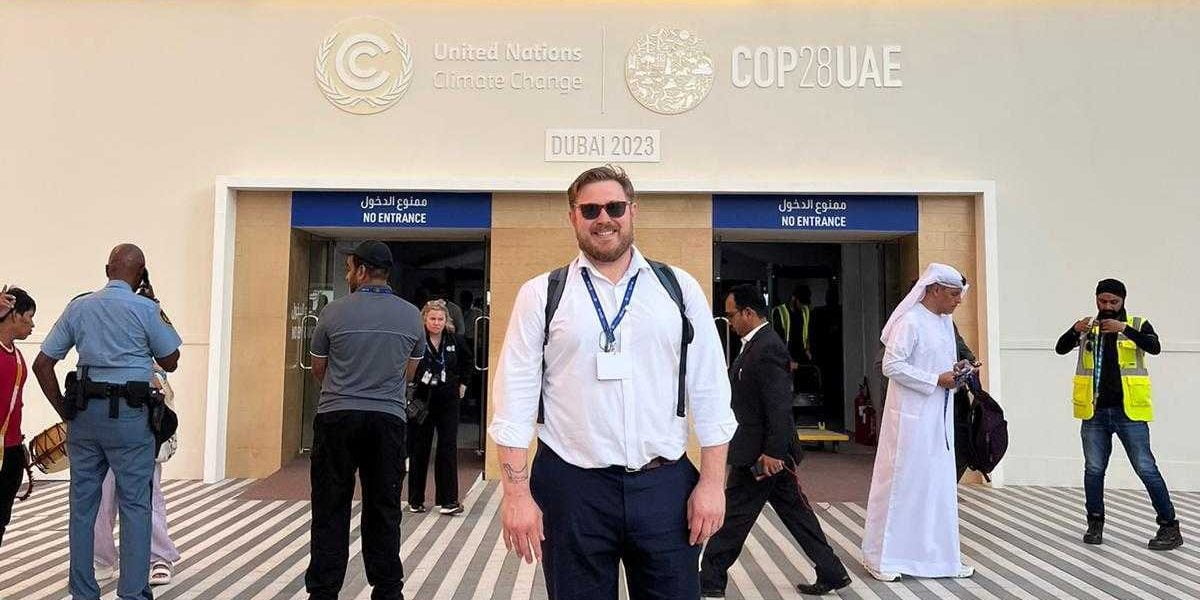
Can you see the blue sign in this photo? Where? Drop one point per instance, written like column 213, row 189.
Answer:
column 813, row 212
column 396, row 210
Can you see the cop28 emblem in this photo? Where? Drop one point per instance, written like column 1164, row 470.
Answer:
column 669, row 71
column 363, row 66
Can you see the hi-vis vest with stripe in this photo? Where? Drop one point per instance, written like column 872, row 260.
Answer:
column 783, row 316
column 1135, row 378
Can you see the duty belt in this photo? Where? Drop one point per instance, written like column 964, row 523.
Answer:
column 136, row 394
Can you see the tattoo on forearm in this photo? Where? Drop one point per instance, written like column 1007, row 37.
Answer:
column 515, row 475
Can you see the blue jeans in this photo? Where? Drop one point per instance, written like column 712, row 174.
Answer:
column 125, row 444
column 1097, row 435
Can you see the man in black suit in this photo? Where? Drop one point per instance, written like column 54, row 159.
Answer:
column 763, row 454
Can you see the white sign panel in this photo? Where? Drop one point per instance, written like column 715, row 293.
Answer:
column 603, row 145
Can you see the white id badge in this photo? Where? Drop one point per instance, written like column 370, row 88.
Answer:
column 613, row 365
column 427, row 378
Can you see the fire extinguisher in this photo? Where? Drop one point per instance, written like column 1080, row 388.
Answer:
column 865, row 431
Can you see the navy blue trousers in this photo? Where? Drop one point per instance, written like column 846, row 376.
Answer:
column 596, row 519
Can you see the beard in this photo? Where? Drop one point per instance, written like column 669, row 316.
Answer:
column 600, row 254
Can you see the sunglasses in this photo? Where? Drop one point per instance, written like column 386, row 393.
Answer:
column 615, row 209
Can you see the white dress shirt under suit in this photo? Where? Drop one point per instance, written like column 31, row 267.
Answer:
column 627, row 422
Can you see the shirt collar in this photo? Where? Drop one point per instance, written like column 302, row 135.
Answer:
column 748, row 336
column 118, row 284
column 637, row 264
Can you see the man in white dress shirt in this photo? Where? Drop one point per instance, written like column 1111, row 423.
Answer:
column 611, row 483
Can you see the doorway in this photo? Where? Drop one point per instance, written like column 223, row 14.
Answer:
column 827, row 300
column 451, row 267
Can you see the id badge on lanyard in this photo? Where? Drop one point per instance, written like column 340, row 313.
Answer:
column 611, row 363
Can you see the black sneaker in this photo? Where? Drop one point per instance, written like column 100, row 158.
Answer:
column 1095, row 530
column 821, row 588
column 1167, row 538
column 451, row 509
column 416, row 508
column 712, row 593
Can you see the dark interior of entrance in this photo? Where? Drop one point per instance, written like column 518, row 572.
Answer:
column 833, row 296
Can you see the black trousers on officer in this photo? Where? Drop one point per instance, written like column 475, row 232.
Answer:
column 371, row 443
column 11, row 475
column 596, row 519
column 745, row 498
column 443, row 419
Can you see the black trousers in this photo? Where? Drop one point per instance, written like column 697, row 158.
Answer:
column 444, row 408
column 597, row 519
column 744, row 500
column 11, row 475
column 371, row 444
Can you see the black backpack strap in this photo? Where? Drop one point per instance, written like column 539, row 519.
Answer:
column 666, row 276
column 554, row 290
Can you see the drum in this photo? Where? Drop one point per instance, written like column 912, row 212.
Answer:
column 48, row 449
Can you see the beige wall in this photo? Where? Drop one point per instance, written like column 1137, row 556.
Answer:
column 259, row 348
column 947, row 235
column 531, row 235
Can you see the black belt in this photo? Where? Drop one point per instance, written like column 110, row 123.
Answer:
column 654, row 463
column 135, row 393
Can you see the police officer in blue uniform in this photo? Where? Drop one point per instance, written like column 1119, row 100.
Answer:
column 118, row 336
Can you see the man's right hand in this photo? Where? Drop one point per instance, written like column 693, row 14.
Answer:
column 1083, row 325
column 946, row 380
column 770, row 465
column 522, row 520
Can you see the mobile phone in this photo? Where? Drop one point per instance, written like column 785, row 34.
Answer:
column 145, row 278
column 757, row 470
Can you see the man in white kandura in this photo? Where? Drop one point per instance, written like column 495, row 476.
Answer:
column 912, row 511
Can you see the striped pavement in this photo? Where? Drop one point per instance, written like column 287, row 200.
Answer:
column 1024, row 542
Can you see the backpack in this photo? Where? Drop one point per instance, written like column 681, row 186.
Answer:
column 987, row 430
column 666, row 276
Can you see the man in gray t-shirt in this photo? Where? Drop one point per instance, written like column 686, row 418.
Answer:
column 368, row 340
column 365, row 348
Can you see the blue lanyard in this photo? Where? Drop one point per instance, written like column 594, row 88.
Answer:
column 375, row 289
column 1097, row 359
column 438, row 358
column 609, row 331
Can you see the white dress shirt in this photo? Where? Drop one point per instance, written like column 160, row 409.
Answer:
column 628, row 422
column 750, row 336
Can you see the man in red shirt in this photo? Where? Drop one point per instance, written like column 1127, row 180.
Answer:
column 15, row 324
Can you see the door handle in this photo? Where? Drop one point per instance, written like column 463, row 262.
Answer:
column 478, row 339
column 303, row 337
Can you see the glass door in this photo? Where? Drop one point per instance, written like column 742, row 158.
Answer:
column 323, row 286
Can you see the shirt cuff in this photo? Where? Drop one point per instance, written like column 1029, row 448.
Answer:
column 715, row 434
column 510, row 434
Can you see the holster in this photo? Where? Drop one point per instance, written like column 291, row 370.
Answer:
column 73, row 400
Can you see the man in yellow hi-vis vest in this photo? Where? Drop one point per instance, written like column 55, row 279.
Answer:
column 1111, row 394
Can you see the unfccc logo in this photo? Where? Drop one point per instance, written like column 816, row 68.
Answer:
column 363, row 66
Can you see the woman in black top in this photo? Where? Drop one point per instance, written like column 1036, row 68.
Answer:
column 441, row 380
